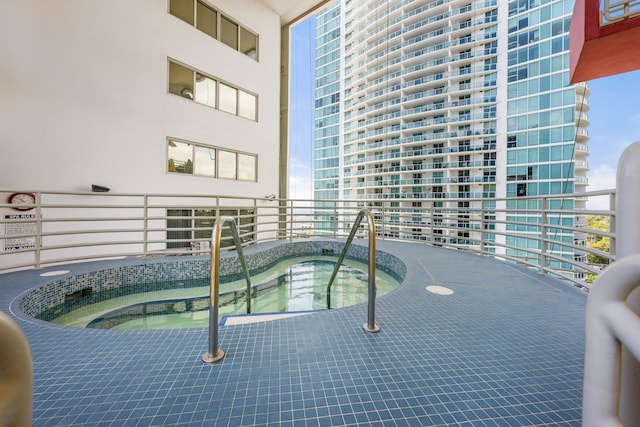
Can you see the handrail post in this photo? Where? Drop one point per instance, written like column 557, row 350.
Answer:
column 383, row 215
column 482, row 228
column 370, row 326
column 336, row 223
column 215, row 354
column 145, row 209
column 38, row 238
column 612, row 225
column 543, row 237
column 290, row 211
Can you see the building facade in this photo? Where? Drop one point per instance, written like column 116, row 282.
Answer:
column 171, row 97
column 185, row 99
column 447, row 105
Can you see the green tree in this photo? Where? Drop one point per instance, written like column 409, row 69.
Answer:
column 594, row 241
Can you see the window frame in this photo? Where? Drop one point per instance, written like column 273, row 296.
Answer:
column 192, row 95
column 219, row 16
column 190, row 164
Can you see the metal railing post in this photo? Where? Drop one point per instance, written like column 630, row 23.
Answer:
column 543, row 236
column 145, row 244
column 215, row 354
column 38, row 239
column 383, row 215
column 336, row 224
column 289, row 212
column 482, row 228
column 370, row 326
column 612, row 225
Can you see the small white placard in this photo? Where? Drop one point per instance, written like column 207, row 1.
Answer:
column 15, row 229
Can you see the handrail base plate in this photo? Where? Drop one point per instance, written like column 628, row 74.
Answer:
column 375, row 328
column 208, row 358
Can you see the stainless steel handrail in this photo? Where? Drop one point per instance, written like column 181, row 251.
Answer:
column 370, row 326
column 215, row 354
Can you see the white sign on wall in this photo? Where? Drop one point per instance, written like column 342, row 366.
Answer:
column 15, row 229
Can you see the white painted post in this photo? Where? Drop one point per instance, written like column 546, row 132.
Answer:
column 628, row 243
column 612, row 371
column 610, row 322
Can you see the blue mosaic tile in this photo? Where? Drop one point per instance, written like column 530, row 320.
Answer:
column 505, row 349
column 40, row 301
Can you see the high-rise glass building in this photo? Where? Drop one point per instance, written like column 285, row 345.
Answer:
column 328, row 124
column 547, row 123
column 446, row 106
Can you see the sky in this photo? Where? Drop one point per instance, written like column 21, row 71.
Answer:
column 614, row 119
column 614, row 123
column 301, row 109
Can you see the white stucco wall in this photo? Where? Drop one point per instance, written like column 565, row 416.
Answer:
column 84, row 96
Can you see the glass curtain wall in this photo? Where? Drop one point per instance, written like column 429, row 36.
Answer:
column 328, row 67
column 546, row 127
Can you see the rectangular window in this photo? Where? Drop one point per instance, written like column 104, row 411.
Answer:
column 194, row 159
column 176, row 228
column 205, row 90
column 228, row 99
column 521, row 190
column 247, row 105
column 186, row 225
column 248, row 43
column 204, row 161
column 229, row 32
column 246, row 167
column 180, row 80
column 182, row 9
column 207, row 20
column 180, row 155
column 226, row 164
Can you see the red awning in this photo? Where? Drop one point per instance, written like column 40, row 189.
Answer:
column 601, row 47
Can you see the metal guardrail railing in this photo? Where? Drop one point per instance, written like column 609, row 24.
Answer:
column 546, row 233
column 214, row 354
column 612, row 11
column 370, row 326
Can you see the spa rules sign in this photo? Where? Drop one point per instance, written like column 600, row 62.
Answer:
column 13, row 232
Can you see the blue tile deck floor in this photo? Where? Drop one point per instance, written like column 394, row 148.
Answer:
column 506, row 349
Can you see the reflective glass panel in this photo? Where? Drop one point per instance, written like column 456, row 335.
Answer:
column 246, row 167
column 249, row 44
column 205, row 90
column 180, row 80
column 179, row 155
column 229, row 32
column 247, row 105
column 182, row 9
column 205, row 161
column 226, row 164
column 228, row 99
column 207, row 20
